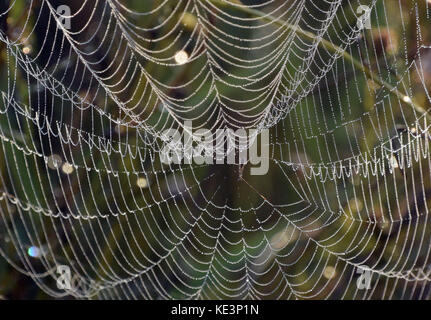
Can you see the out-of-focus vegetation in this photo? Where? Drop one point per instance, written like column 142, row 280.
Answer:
column 340, row 108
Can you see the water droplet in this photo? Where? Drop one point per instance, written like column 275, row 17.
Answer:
column 54, row 161
column 142, row 183
column 181, row 57
column 329, row 272
column 67, row 168
column 34, row 252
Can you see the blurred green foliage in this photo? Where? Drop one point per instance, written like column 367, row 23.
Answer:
column 347, row 102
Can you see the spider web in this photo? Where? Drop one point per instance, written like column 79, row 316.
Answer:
column 83, row 115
